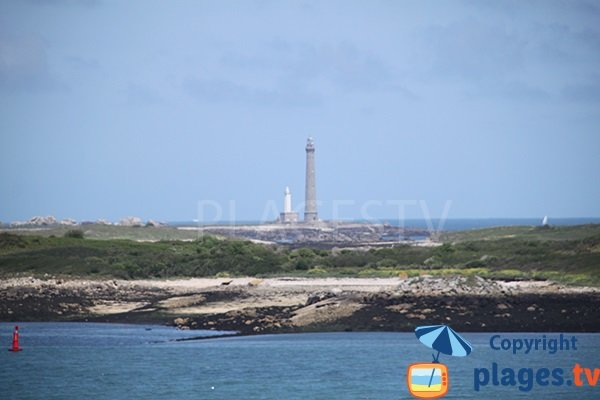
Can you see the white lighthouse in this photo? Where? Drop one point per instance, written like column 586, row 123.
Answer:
column 287, row 216
column 287, row 200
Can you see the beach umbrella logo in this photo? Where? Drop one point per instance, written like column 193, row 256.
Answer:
column 431, row 380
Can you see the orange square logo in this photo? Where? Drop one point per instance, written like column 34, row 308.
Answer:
column 427, row 380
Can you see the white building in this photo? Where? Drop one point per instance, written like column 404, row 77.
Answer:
column 287, row 216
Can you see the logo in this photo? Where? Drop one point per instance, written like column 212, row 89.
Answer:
column 427, row 380
column 529, row 375
column 431, row 380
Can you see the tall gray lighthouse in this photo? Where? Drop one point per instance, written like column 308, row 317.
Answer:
column 310, row 204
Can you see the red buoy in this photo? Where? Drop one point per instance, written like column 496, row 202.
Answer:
column 15, row 344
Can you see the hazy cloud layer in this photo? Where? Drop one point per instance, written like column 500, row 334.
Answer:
column 24, row 65
column 294, row 74
column 62, row 3
column 155, row 105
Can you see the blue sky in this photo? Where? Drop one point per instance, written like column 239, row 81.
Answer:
column 112, row 108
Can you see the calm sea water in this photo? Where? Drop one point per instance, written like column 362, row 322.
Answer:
column 110, row 361
column 449, row 224
column 458, row 224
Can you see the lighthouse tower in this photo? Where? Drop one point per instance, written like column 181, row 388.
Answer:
column 287, row 200
column 287, row 216
column 310, row 205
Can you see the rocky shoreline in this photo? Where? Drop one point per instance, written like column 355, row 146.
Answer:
column 283, row 305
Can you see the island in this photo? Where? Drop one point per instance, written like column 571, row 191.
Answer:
column 520, row 278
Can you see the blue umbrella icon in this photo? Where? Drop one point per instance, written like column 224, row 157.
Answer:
column 443, row 339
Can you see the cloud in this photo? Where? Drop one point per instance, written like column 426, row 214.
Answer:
column 547, row 9
column 515, row 90
column 473, row 50
column 516, row 54
column 142, row 95
column 218, row 90
column 524, row 91
column 341, row 67
column 24, row 66
column 563, row 46
column 584, row 93
column 82, row 63
column 590, row 40
column 50, row 3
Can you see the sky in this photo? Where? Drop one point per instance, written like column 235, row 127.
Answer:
column 164, row 109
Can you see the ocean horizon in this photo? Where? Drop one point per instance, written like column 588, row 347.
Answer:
column 448, row 224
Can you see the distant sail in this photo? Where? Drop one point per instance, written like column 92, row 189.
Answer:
column 545, row 221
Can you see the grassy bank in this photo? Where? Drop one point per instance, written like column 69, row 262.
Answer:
column 568, row 254
column 109, row 232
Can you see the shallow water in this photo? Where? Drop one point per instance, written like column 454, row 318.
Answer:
column 112, row 361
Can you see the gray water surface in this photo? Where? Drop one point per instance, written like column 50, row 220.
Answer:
column 113, row 361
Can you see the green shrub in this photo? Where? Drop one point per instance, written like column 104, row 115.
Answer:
column 317, row 271
column 74, row 234
column 302, row 264
column 8, row 240
column 386, row 263
column 475, row 264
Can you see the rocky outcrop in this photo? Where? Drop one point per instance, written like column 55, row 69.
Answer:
column 131, row 221
column 39, row 221
column 323, row 234
column 48, row 220
column 36, row 221
column 154, row 224
column 184, row 323
column 318, row 297
column 296, row 305
column 429, row 285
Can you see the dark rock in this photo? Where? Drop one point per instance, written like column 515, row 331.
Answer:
column 318, row 297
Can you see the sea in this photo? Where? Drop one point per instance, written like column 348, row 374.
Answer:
column 445, row 224
column 116, row 361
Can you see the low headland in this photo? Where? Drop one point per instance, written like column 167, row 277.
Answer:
column 495, row 279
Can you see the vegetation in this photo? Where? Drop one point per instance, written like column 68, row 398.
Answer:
column 571, row 232
column 74, row 233
column 109, row 232
column 567, row 254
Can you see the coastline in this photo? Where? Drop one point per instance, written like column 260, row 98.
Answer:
column 289, row 305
